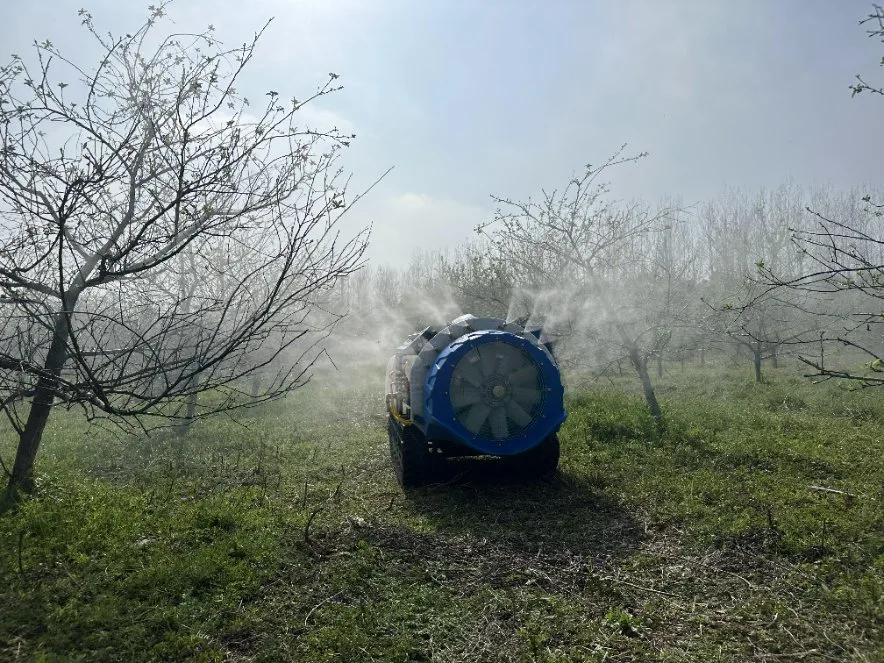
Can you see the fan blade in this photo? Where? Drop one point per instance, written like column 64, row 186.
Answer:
column 526, row 396
column 525, row 375
column 465, row 395
column 476, row 417
column 499, row 427
column 488, row 362
column 468, row 369
column 517, row 413
column 509, row 357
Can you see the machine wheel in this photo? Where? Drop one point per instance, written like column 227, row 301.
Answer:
column 542, row 459
column 411, row 457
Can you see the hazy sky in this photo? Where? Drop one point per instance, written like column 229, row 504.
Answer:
column 467, row 98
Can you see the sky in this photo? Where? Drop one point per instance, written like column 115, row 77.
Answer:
column 466, row 98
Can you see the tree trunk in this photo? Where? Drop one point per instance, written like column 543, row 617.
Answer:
column 22, row 478
column 186, row 290
column 189, row 414
column 774, row 356
column 756, row 357
column 641, row 367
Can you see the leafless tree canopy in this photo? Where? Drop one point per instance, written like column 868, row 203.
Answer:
column 160, row 235
column 577, row 244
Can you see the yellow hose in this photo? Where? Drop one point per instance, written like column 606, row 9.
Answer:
column 393, row 413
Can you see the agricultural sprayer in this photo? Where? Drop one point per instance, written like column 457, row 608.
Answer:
column 476, row 387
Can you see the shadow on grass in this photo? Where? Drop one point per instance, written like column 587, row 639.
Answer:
column 485, row 524
column 493, row 501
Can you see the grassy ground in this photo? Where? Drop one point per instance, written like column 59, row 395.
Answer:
column 752, row 528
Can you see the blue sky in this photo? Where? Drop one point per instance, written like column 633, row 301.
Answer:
column 471, row 98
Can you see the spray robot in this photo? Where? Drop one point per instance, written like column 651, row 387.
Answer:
column 478, row 386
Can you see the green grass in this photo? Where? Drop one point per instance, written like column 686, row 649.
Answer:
column 284, row 536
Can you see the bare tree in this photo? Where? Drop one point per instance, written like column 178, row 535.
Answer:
column 746, row 237
column 845, row 254
column 159, row 236
column 482, row 284
column 847, row 261
column 765, row 322
column 875, row 21
column 573, row 247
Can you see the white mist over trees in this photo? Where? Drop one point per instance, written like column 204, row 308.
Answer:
column 630, row 284
column 160, row 236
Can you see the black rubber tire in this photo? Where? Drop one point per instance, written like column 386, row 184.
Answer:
column 542, row 459
column 410, row 454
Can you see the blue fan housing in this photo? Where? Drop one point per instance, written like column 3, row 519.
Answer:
column 441, row 421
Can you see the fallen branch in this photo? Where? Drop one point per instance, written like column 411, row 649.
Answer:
column 320, row 604
column 823, row 489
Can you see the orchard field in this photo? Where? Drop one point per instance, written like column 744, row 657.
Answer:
column 748, row 527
